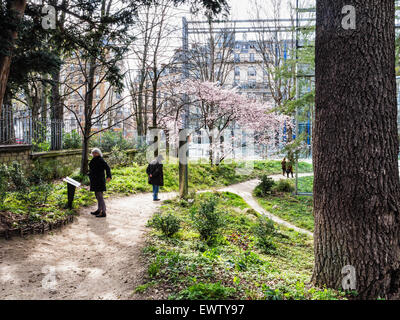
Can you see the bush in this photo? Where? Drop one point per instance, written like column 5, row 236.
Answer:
column 47, row 171
column 17, row 177
column 207, row 291
column 207, row 219
column 284, row 186
column 110, row 139
column 168, row 224
column 140, row 157
column 264, row 232
column 117, row 158
column 40, row 146
column 4, row 183
column 265, row 187
column 72, row 140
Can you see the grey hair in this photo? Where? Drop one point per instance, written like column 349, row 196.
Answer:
column 97, row 150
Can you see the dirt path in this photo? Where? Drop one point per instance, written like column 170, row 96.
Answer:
column 245, row 190
column 91, row 258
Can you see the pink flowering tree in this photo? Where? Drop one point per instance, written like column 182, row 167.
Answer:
column 217, row 109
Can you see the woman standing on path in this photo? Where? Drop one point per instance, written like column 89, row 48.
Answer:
column 156, row 176
column 283, row 163
column 98, row 180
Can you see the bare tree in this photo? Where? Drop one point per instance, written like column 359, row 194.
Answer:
column 276, row 45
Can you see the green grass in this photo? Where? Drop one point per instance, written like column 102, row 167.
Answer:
column 233, row 267
column 305, row 184
column 126, row 181
column 297, row 210
column 294, row 209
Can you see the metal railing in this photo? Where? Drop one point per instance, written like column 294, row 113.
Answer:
column 23, row 128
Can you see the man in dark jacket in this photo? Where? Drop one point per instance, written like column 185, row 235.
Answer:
column 156, row 175
column 98, row 180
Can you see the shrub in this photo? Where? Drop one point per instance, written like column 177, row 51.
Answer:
column 117, row 157
column 47, row 171
column 141, row 156
column 264, row 231
column 207, row 291
column 207, row 219
column 110, row 139
column 168, row 224
column 246, row 260
column 17, row 177
column 284, row 186
column 40, row 146
column 4, row 183
column 72, row 140
column 265, row 187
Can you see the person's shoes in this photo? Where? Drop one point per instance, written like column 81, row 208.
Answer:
column 157, row 200
column 101, row 215
column 95, row 213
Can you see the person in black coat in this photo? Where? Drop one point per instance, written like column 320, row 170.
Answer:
column 156, row 175
column 97, row 167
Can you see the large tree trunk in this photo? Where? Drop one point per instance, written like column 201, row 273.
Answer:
column 356, row 187
column 17, row 8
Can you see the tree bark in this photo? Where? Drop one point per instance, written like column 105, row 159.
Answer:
column 17, row 8
column 57, row 112
column 356, row 186
column 88, row 116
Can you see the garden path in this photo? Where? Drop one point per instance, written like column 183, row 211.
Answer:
column 90, row 258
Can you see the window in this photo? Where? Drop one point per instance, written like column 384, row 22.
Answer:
column 237, row 46
column 252, row 57
column 252, row 84
column 219, row 57
column 97, row 93
column 237, row 57
column 237, row 71
column 252, row 72
column 245, row 48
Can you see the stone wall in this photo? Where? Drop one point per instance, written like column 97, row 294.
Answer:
column 19, row 153
column 68, row 160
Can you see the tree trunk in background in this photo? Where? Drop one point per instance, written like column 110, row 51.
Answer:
column 356, row 186
column 57, row 112
column 88, row 117
column 7, row 131
column 17, row 7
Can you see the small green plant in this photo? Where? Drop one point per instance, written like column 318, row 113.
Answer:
column 271, row 294
column 4, row 183
column 207, row 219
column 207, row 291
column 168, row 224
column 265, row 187
column 284, row 186
column 72, row 140
column 17, row 177
column 264, row 231
column 246, row 260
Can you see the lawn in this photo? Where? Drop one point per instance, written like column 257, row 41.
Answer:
column 248, row 257
column 297, row 210
column 305, row 184
column 31, row 199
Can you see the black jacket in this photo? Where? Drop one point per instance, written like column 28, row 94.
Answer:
column 96, row 174
column 156, row 170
